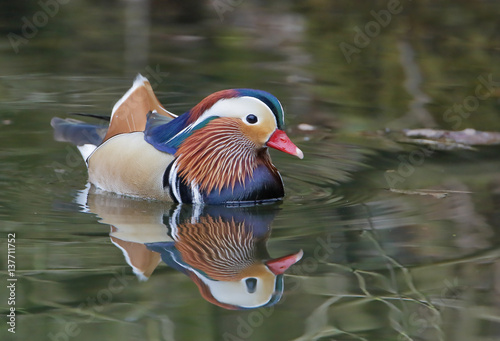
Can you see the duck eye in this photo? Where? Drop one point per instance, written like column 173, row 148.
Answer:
column 252, row 119
column 251, row 284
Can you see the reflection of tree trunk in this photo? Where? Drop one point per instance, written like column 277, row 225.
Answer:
column 417, row 112
column 137, row 22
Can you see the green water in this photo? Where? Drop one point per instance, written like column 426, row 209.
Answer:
column 379, row 263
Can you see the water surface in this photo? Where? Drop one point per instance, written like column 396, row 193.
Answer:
column 400, row 242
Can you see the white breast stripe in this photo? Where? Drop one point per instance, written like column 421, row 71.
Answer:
column 172, row 179
column 195, row 193
column 235, row 107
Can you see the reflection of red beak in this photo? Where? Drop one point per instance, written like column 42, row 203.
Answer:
column 280, row 141
column 280, row 265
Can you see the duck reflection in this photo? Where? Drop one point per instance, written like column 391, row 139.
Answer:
column 221, row 249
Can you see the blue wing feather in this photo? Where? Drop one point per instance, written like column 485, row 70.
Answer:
column 164, row 135
column 167, row 137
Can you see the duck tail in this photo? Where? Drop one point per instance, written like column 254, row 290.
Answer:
column 84, row 135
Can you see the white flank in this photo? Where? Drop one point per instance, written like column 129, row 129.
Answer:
column 86, row 150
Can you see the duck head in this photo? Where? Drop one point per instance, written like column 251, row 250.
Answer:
column 221, row 146
column 258, row 115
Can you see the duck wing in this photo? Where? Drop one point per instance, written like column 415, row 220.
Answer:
column 130, row 112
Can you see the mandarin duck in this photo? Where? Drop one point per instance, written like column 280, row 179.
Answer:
column 221, row 249
column 216, row 153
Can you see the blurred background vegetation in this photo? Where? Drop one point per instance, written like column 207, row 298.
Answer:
column 291, row 48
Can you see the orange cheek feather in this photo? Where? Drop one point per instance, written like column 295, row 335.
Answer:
column 258, row 134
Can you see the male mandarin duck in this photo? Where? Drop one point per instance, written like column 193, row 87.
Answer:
column 221, row 249
column 216, row 153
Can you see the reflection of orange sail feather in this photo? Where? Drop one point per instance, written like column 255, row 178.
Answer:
column 140, row 258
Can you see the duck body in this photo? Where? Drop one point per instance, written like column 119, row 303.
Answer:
column 267, row 188
column 216, row 153
column 127, row 164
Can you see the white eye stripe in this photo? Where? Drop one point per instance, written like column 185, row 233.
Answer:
column 238, row 107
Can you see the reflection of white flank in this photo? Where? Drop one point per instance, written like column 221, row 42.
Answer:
column 81, row 198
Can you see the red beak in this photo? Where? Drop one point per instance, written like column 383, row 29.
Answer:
column 280, row 141
column 280, row 265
